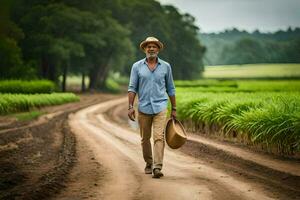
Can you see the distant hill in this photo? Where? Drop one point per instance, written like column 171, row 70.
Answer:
column 241, row 47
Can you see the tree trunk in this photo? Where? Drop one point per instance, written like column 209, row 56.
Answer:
column 44, row 67
column 93, row 77
column 102, row 77
column 52, row 72
column 99, row 72
column 83, row 87
column 65, row 72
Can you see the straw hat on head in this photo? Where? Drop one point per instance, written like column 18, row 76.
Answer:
column 175, row 134
column 151, row 40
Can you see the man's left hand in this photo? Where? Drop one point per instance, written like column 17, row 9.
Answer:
column 173, row 114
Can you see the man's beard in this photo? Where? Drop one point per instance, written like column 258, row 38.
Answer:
column 151, row 55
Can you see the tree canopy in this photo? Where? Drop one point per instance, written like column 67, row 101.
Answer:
column 241, row 47
column 47, row 39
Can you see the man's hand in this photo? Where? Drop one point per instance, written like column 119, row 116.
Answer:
column 173, row 114
column 131, row 114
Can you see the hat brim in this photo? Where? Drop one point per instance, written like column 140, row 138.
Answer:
column 175, row 134
column 158, row 43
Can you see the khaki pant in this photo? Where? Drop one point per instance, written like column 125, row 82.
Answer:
column 153, row 124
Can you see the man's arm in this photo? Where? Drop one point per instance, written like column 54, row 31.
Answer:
column 131, row 97
column 132, row 90
column 173, row 106
column 171, row 91
column 173, row 101
column 131, row 111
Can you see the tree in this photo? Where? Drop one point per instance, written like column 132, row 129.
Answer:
column 11, row 62
column 184, row 48
column 226, row 47
column 243, row 51
column 177, row 31
column 96, row 36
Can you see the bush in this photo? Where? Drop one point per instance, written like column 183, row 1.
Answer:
column 11, row 103
column 27, row 87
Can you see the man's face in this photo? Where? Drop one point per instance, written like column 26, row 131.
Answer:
column 151, row 50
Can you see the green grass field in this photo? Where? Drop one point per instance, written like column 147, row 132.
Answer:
column 253, row 71
column 210, row 85
column 73, row 80
column 263, row 112
column 13, row 103
column 26, row 116
column 27, row 87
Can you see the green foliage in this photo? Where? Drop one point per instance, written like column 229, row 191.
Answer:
column 10, row 55
column 206, row 83
column 117, row 77
column 245, row 50
column 184, row 50
column 266, row 118
column 11, row 63
column 210, row 85
column 275, row 85
column 28, row 115
column 240, row 47
column 112, row 86
column 27, row 87
column 274, row 123
column 12, row 103
column 93, row 38
column 177, row 31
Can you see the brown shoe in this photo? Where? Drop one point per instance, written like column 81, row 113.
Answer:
column 148, row 169
column 157, row 173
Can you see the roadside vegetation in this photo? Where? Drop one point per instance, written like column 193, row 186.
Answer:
column 12, row 103
column 26, row 116
column 27, row 87
column 209, row 85
column 259, row 113
column 24, row 96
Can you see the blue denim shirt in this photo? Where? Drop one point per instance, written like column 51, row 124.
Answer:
column 152, row 87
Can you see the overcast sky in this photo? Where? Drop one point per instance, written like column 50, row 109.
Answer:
column 217, row 15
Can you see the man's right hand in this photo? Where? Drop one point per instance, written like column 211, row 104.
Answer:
column 131, row 114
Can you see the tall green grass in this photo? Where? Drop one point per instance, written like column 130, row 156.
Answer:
column 268, row 118
column 12, row 103
column 27, row 87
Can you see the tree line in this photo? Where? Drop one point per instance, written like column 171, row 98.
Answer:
column 46, row 39
column 241, row 47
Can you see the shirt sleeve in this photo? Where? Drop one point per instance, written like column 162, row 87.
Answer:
column 170, row 83
column 134, row 80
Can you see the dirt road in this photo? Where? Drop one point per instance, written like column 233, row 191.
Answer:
column 110, row 166
column 88, row 150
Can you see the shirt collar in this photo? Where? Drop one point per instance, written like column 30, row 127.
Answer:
column 158, row 61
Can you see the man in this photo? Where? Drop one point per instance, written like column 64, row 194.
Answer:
column 151, row 78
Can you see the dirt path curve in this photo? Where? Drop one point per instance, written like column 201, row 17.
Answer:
column 117, row 152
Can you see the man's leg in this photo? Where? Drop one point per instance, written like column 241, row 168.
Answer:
column 159, row 121
column 145, row 123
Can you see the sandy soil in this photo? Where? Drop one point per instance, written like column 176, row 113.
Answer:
column 87, row 150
